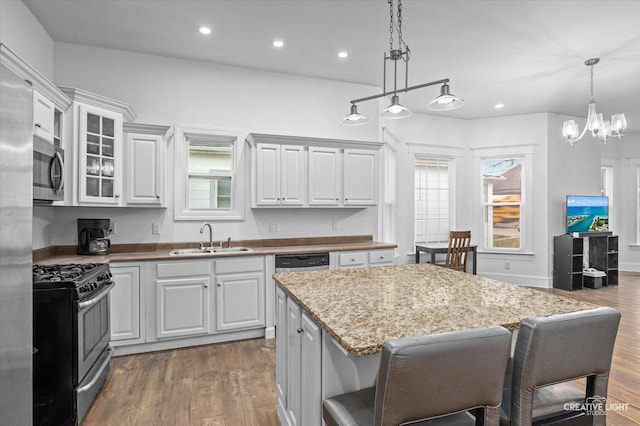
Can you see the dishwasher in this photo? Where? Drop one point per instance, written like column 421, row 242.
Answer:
column 302, row 262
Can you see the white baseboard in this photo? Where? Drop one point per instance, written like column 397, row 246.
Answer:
column 522, row 280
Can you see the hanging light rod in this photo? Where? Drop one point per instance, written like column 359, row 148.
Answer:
column 446, row 101
column 406, row 89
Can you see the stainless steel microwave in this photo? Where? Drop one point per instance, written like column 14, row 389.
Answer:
column 48, row 172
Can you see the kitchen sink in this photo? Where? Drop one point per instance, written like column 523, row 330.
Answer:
column 208, row 251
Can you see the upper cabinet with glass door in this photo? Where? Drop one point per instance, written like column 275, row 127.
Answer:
column 98, row 151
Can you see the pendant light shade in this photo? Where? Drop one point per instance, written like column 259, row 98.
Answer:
column 354, row 118
column 446, row 101
column 395, row 110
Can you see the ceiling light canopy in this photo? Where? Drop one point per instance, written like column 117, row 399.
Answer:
column 204, row 30
column 600, row 128
column 278, row 43
column 401, row 52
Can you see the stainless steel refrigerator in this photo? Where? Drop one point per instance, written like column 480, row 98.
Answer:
column 16, row 176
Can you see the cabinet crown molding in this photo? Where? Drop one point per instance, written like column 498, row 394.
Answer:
column 39, row 82
column 254, row 138
column 148, row 129
column 100, row 101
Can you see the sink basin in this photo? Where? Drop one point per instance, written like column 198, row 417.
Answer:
column 207, row 251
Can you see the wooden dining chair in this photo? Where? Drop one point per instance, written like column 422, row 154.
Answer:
column 458, row 250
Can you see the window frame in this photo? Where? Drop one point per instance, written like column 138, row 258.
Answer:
column 183, row 133
column 525, row 152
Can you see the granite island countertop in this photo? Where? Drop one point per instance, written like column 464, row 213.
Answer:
column 362, row 308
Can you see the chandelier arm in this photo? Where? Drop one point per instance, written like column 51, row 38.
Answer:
column 584, row 131
column 406, row 89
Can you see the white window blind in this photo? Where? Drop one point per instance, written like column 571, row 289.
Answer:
column 432, row 195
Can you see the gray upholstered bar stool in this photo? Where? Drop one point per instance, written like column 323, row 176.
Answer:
column 430, row 377
column 549, row 352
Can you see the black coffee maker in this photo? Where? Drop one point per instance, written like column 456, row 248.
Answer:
column 92, row 235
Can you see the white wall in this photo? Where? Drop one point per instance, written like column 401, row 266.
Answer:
column 624, row 154
column 433, row 135
column 167, row 91
column 505, row 134
column 23, row 34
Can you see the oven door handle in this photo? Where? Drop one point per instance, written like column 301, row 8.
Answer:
column 96, row 377
column 95, row 299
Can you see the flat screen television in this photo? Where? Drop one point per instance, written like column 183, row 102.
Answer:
column 587, row 213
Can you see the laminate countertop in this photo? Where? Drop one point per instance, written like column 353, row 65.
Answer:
column 362, row 308
column 150, row 252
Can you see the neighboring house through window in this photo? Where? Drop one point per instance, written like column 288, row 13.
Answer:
column 502, row 186
column 209, row 173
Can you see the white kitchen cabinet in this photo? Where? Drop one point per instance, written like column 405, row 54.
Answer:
column 303, row 369
column 240, row 299
column 127, row 311
column 280, row 175
column 145, row 153
column 183, row 304
column 96, row 154
column 43, row 117
column 324, row 176
column 304, row 172
column 101, row 156
column 363, row 259
column 360, row 177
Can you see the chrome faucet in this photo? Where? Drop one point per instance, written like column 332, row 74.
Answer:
column 210, row 234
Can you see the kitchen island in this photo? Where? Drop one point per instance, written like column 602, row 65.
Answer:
column 331, row 324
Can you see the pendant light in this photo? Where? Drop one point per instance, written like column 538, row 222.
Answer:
column 401, row 52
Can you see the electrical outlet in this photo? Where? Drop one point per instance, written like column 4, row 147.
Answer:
column 334, row 225
column 507, row 266
column 155, row 228
column 113, row 227
column 274, row 227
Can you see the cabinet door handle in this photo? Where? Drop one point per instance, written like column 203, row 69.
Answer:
column 219, row 284
column 158, row 197
column 38, row 125
column 117, row 196
column 299, row 330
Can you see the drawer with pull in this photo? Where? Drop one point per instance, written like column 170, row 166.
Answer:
column 381, row 256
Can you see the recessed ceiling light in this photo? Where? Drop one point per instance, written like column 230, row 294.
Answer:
column 498, row 106
column 204, row 30
column 343, row 54
column 278, row 43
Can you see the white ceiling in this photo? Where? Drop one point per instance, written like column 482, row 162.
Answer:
column 528, row 55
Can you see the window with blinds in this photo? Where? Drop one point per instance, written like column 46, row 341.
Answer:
column 432, row 195
column 209, row 173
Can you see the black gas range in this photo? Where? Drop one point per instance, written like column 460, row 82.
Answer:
column 71, row 333
column 84, row 278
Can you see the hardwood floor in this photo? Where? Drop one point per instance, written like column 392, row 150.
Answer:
column 234, row 383
column 221, row 384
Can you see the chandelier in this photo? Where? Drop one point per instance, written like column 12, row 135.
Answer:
column 599, row 128
column 400, row 52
